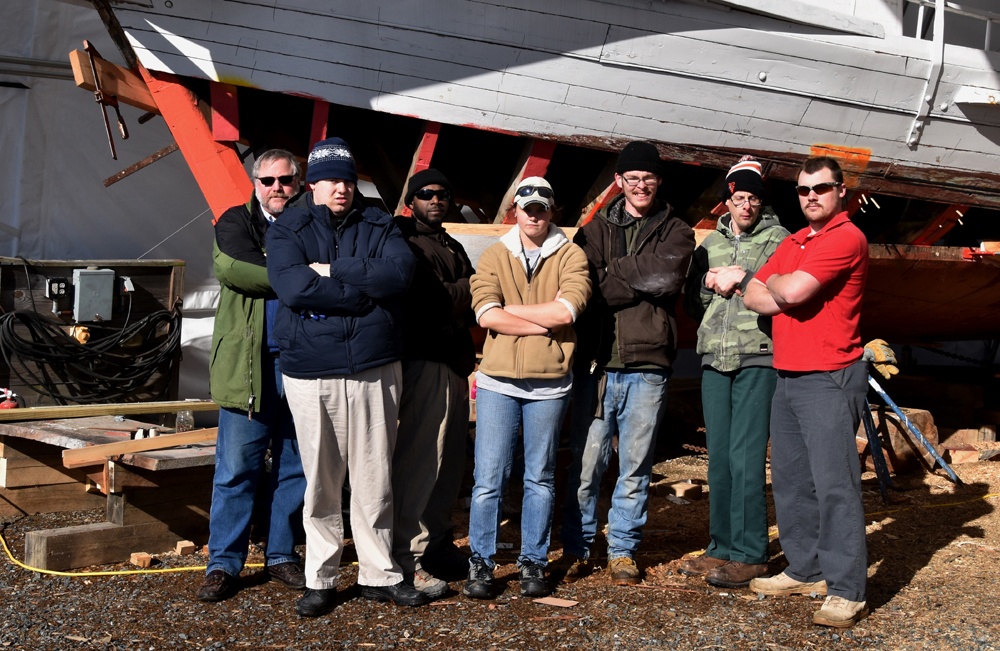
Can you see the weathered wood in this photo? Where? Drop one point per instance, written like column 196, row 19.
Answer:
column 140, row 559
column 903, row 452
column 128, row 87
column 94, row 544
column 55, row 498
column 39, row 474
column 79, row 457
column 117, row 409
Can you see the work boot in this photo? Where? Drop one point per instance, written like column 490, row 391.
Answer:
column 290, row 574
column 624, row 571
column 422, row 580
column 783, row 585
column 700, row 565
column 735, row 574
column 571, row 568
column 533, row 583
column 480, row 582
column 840, row 613
column 218, row 586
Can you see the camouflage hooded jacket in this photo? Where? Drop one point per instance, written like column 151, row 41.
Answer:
column 730, row 335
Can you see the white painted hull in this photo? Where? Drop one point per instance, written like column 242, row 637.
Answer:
column 702, row 80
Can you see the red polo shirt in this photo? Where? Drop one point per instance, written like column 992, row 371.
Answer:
column 822, row 334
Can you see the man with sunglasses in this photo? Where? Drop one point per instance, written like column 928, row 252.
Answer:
column 245, row 378
column 638, row 254
column 737, row 380
column 812, row 289
column 438, row 356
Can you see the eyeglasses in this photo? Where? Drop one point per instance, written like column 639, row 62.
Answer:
column 268, row 181
column 632, row 181
column 427, row 194
column 754, row 202
column 540, row 190
column 819, row 188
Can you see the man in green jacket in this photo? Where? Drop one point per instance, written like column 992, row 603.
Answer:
column 246, row 383
column 738, row 379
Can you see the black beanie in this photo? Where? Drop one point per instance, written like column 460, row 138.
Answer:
column 745, row 176
column 423, row 178
column 640, row 156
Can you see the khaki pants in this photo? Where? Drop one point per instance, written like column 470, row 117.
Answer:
column 429, row 460
column 348, row 423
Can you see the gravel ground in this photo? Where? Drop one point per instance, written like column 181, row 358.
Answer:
column 933, row 556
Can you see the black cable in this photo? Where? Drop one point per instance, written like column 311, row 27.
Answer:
column 108, row 368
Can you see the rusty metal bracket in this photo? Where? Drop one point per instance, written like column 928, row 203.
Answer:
column 105, row 100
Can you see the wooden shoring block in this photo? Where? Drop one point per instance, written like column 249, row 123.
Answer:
column 95, row 454
column 94, row 544
column 127, row 86
column 54, row 498
column 140, row 559
column 167, row 496
column 902, row 450
column 185, row 548
column 22, row 474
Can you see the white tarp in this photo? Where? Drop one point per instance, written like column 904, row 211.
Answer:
column 54, row 157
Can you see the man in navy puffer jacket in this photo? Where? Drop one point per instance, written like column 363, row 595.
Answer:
column 339, row 270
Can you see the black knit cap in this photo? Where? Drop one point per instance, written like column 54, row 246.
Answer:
column 422, row 179
column 640, row 156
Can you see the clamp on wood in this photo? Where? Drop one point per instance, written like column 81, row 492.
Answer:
column 105, row 100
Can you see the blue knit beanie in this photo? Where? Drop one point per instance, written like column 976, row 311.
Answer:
column 331, row 159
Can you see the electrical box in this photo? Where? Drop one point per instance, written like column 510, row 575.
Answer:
column 94, row 294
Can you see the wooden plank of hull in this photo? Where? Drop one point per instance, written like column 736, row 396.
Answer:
column 509, row 99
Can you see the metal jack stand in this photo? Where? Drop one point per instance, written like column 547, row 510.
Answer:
column 910, row 426
column 878, row 458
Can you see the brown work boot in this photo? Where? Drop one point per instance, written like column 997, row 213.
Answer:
column 623, row 571
column 783, row 585
column 571, row 568
column 735, row 574
column 700, row 565
column 218, row 586
column 840, row 613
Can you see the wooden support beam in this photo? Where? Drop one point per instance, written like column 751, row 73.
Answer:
column 421, row 160
column 216, row 167
column 52, row 498
column 95, row 454
column 114, row 409
column 124, row 84
column 225, row 112
column 940, row 225
column 600, row 193
column 535, row 161
column 320, row 122
column 94, row 544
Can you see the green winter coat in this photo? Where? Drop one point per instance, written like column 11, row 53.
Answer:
column 730, row 335
column 235, row 367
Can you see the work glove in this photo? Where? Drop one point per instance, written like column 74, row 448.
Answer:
column 881, row 357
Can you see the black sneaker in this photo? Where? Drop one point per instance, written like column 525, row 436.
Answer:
column 533, row 583
column 315, row 603
column 480, row 582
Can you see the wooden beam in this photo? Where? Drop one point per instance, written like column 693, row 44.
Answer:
column 94, row 454
column 216, row 166
column 124, row 84
column 225, row 112
column 114, row 409
column 320, row 122
column 535, row 161
column 94, row 544
column 54, row 498
column 939, row 226
column 421, row 160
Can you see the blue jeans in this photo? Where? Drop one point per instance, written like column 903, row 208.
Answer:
column 634, row 403
column 500, row 418
column 239, row 466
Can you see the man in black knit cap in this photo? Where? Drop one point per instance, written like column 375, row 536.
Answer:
column 438, row 356
column 638, row 253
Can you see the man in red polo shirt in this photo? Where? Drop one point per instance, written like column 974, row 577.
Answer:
column 812, row 287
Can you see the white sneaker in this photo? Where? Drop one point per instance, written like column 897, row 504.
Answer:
column 783, row 585
column 430, row 585
column 840, row 613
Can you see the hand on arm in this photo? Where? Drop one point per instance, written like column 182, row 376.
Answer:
column 550, row 315
column 760, row 300
column 504, row 322
column 724, row 281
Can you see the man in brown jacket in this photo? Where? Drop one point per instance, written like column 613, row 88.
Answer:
column 638, row 253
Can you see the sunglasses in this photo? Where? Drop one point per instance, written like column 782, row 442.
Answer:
column 268, row 181
column 819, row 188
column 528, row 190
column 427, row 195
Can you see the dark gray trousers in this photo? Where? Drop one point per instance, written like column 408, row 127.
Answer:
column 816, row 477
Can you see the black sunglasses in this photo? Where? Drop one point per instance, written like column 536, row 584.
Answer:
column 529, row 190
column 427, row 194
column 819, row 188
column 268, row 181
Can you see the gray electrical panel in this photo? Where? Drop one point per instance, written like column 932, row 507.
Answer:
column 93, row 297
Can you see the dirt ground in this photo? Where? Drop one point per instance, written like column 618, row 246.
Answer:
column 933, row 584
